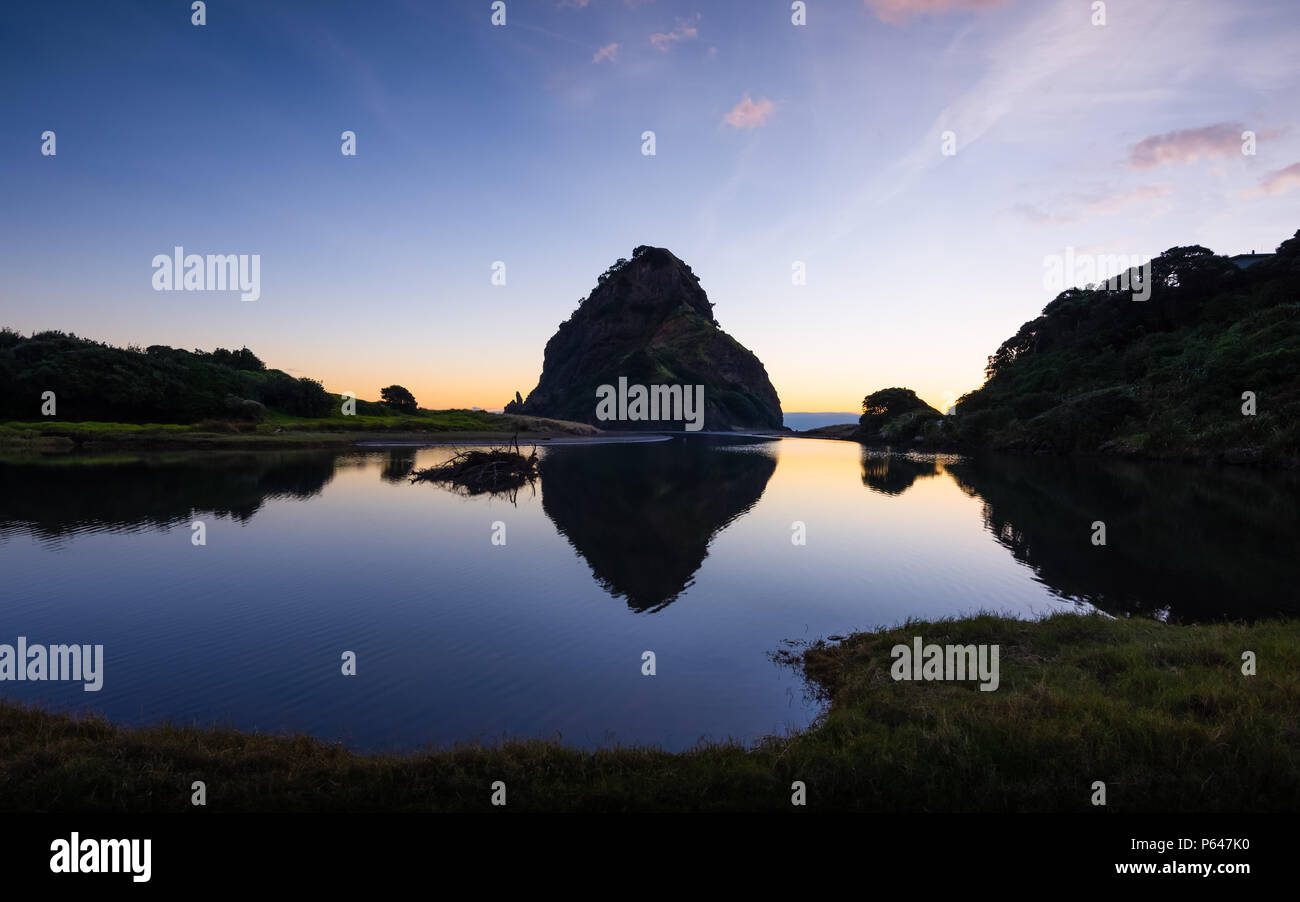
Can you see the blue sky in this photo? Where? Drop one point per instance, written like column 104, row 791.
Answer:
column 521, row 143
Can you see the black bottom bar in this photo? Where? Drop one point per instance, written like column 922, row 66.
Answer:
column 924, row 852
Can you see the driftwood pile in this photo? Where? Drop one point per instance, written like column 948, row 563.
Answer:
column 498, row 471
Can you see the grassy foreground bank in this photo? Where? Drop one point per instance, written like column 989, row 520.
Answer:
column 285, row 431
column 1161, row 713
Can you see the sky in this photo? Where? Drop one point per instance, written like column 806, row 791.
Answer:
column 918, row 158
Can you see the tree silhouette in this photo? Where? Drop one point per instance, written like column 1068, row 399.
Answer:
column 398, row 398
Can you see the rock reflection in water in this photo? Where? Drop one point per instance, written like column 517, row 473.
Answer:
column 643, row 515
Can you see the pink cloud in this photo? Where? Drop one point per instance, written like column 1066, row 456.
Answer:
column 895, row 11
column 684, row 30
column 1188, row 145
column 1279, row 182
column 608, row 52
column 748, row 114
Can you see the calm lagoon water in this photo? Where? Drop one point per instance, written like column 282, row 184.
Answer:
column 682, row 547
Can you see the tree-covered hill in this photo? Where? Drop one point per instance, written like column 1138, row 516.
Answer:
column 1100, row 371
column 897, row 414
column 95, row 381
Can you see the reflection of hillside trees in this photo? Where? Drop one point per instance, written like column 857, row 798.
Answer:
column 643, row 515
column 398, row 464
column 1189, row 544
column 61, row 496
column 893, row 474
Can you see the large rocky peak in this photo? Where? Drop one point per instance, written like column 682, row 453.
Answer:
column 649, row 321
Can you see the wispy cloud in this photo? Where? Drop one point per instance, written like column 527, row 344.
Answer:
column 1084, row 208
column 608, row 52
column 1035, row 216
column 715, row 202
column 1188, row 145
column 1054, row 47
column 1018, row 64
column 1114, row 203
column 895, row 11
column 1279, row 181
column 748, row 114
column 684, row 30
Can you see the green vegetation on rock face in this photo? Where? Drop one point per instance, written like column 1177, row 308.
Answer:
column 1099, row 371
column 649, row 321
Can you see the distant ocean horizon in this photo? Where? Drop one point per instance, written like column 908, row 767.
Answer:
column 807, row 420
